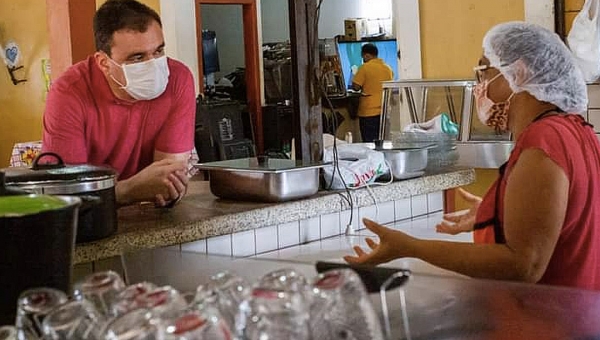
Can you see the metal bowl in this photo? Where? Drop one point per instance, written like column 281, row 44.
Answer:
column 274, row 180
column 407, row 161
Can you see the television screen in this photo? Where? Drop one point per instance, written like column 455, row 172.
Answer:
column 351, row 59
column 210, row 54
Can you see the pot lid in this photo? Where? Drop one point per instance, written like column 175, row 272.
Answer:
column 57, row 171
column 260, row 164
column 21, row 205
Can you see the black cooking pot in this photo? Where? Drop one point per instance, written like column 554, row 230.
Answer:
column 94, row 185
column 37, row 238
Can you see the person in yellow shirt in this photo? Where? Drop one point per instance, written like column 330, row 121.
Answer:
column 368, row 78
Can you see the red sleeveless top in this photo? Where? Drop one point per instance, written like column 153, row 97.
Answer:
column 572, row 144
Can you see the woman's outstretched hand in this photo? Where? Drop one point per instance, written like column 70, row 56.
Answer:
column 392, row 244
column 460, row 221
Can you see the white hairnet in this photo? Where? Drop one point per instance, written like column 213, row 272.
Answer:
column 534, row 59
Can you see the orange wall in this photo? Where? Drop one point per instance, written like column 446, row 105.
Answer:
column 22, row 105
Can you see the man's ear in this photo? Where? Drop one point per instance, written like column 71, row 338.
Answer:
column 102, row 61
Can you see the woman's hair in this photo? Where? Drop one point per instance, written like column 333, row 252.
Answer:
column 534, row 59
column 115, row 15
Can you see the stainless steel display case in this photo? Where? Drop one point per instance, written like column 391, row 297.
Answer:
column 419, row 100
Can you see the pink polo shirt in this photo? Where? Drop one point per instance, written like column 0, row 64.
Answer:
column 85, row 123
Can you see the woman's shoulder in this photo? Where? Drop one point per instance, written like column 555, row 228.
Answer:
column 560, row 127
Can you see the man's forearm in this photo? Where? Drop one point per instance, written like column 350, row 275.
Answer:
column 122, row 192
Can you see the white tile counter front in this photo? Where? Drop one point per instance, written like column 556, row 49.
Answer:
column 202, row 222
column 323, row 227
column 334, row 248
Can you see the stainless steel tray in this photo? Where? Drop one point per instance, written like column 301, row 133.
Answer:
column 274, row 180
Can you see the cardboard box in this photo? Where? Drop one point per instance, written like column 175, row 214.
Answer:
column 355, row 29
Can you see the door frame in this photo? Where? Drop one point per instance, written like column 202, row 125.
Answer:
column 251, row 56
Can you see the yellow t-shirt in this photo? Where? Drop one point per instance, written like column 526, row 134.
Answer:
column 369, row 77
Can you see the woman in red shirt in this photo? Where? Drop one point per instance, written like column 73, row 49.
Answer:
column 540, row 221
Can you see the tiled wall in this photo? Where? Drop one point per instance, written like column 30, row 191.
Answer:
column 274, row 237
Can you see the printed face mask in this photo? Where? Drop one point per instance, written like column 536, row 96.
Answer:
column 145, row 80
column 489, row 113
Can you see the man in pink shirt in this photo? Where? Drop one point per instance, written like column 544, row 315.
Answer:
column 127, row 106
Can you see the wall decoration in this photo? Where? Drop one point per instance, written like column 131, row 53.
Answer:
column 11, row 54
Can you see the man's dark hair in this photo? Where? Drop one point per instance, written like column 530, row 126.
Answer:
column 370, row 49
column 115, row 15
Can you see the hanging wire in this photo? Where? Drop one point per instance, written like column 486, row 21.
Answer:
column 318, row 83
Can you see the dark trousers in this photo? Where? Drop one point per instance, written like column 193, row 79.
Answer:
column 369, row 128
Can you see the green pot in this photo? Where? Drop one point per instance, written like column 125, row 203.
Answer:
column 37, row 240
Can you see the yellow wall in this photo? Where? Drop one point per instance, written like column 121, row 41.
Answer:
column 451, row 35
column 22, row 105
column 572, row 7
column 452, row 30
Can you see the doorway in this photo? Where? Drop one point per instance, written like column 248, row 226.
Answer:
column 247, row 50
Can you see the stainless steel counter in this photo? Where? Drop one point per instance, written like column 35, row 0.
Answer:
column 438, row 307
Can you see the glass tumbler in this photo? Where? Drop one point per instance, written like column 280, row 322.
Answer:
column 8, row 333
column 276, row 314
column 286, row 279
column 76, row 319
column 100, row 289
column 341, row 308
column 161, row 301
column 127, row 299
column 138, row 324
column 195, row 325
column 32, row 307
column 225, row 292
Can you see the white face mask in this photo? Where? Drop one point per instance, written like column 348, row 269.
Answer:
column 145, row 80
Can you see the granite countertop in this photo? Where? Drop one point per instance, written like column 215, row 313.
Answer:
column 201, row 215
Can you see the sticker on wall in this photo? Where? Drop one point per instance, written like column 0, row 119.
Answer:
column 11, row 54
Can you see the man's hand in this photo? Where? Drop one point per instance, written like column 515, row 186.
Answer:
column 177, row 189
column 162, row 181
column 460, row 221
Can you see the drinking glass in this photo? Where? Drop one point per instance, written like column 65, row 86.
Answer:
column 126, row 300
column 33, row 305
column 341, row 308
column 139, row 324
column 8, row 333
column 100, row 289
column 286, row 279
column 161, row 301
column 276, row 314
column 195, row 325
column 77, row 319
column 225, row 291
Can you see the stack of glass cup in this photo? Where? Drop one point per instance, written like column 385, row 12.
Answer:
column 280, row 305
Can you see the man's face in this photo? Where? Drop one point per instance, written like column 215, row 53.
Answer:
column 130, row 47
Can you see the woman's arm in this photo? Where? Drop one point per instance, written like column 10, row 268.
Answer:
column 535, row 205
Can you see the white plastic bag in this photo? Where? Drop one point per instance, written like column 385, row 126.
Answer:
column 584, row 40
column 358, row 166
